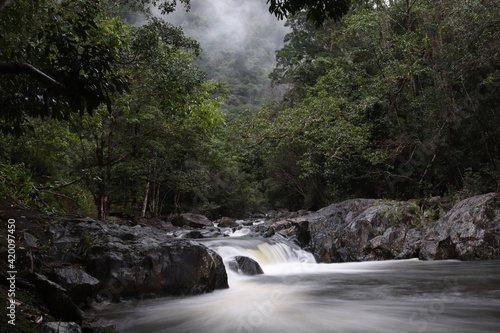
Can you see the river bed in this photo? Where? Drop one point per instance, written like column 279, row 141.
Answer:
column 297, row 295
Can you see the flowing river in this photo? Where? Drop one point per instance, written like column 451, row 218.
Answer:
column 297, row 295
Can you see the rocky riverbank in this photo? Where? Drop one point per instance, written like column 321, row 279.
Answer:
column 365, row 229
column 66, row 266
column 80, row 263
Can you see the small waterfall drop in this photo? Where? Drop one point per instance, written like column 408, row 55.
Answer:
column 274, row 256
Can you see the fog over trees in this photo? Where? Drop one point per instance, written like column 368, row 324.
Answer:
column 239, row 40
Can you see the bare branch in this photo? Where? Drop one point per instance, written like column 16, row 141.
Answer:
column 18, row 68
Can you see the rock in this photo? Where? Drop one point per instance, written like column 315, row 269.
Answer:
column 191, row 220
column 77, row 282
column 226, row 222
column 469, row 231
column 194, row 234
column 139, row 262
column 61, row 327
column 206, row 232
column 56, row 298
column 386, row 246
column 361, row 229
column 347, row 231
column 259, row 230
column 393, row 240
column 368, row 229
column 245, row 265
column 411, row 245
column 296, row 230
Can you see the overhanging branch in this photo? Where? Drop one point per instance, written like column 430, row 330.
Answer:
column 19, row 68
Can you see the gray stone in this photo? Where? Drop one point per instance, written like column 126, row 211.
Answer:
column 226, row 222
column 56, row 298
column 469, row 231
column 191, row 220
column 245, row 265
column 61, row 327
column 356, row 230
column 77, row 282
column 137, row 262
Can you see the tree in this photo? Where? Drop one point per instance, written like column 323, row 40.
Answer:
column 317, row 10
column 123, row 135
column 167, row 93
column 69, row 52
column 390, row 102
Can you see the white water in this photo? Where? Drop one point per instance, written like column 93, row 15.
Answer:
column 297, row 295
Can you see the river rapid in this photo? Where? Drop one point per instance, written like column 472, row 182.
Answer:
column 295, row 295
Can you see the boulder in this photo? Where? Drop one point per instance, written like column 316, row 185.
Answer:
column 469, row 231
column 191, row 220
column 295, row 229
column 366, row 229
column 386, row 246
column 207, row 232
column 139, row 262
column 226, row 222
column 56, row 298
column 355, row 230
column 194, row 234
column 411, row 245
column 77, row 282
column 245, row 265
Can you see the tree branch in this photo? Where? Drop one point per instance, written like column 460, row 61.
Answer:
column 18, row 68
column 51, row 187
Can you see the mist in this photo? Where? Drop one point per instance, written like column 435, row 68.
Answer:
column 239, row 41
column 229, row 24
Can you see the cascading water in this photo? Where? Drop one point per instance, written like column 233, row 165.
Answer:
column 265, row 252
column 297, row 295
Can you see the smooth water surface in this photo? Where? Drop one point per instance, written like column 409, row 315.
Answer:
column 297, row 295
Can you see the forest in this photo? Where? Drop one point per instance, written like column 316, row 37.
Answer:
column 109, row 106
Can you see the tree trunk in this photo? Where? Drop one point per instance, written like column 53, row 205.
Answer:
column 102, row 207
column 145, row 202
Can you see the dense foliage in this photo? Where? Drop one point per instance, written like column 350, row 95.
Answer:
column 399, row 100
column 317, row 11
column 99, row 113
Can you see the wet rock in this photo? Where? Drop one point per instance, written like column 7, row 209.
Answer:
column 245, row 265
column 226, row 222
column 259, row 230
column 363, row 229
column 347, row 231
column 139, row 262
column 296, row 230
column 77, row 282
column 194, row 234
column 191, row 220
column 211, row 232
column 469, row 231
column 411, row 245
column 61, row 327
column 206, row 232
column 56, row 298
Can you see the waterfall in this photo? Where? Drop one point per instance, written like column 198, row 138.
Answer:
column 274, row 256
